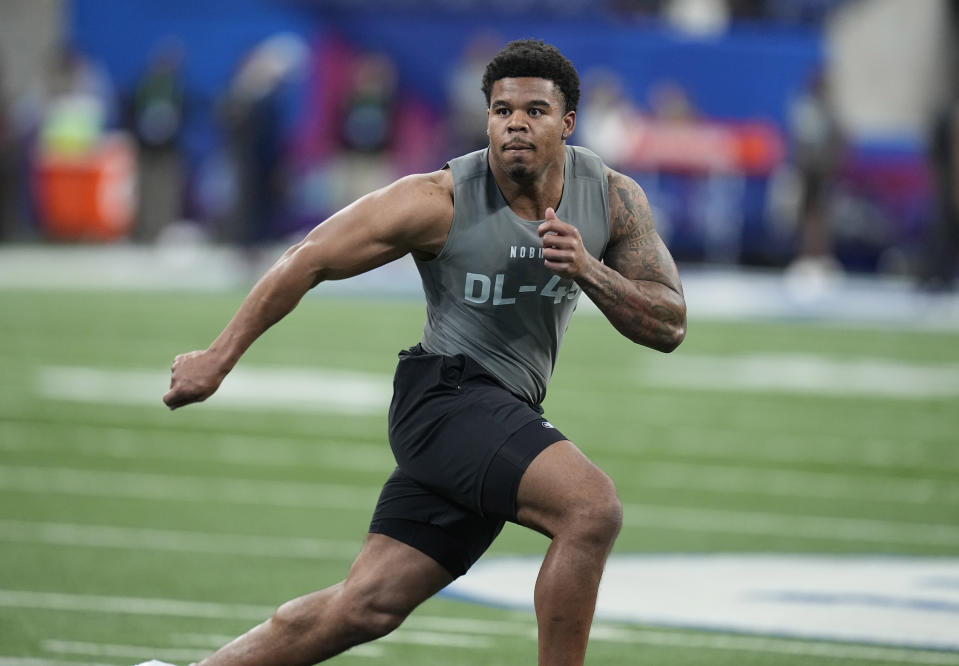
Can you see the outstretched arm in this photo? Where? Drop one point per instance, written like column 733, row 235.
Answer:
column 637, row 285
column 410, row 215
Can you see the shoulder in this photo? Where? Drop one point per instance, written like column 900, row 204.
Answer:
column 422, row 204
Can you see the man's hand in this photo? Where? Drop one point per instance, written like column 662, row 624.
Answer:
column 195, row 377
column 563, row 248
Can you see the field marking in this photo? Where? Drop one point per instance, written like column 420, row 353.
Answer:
column 96, row 603
column 833, row 450
column 169, row 487
column 775, row 646
column 251, row 450
column 213, row 642
column 826, row 528
column 127, row 444
column 879, row 602
column 104, row 536
column 246, row 388
column 362, row 499
column 601, row 631
column 745, row 479
column 31, row 661
column 281, row 450
column 119, row 651
column 803, row 373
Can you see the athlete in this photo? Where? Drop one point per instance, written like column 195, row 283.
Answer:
column 505, row 240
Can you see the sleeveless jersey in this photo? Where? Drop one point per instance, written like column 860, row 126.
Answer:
column 488, row 294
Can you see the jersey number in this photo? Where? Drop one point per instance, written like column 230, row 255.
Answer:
column 479, row 287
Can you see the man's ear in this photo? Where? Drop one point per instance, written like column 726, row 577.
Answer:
column 569, row 124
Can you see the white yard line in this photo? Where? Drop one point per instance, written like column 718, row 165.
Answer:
column 31, row 661
column 803, row 373
column 362, row 499
column 825, row 528
column 464, row 632
column 236, row 449
column 169, row 487
column 744, row 479
column 104, row 536
column 247, row 388
column 774, row 646
column 119, row 651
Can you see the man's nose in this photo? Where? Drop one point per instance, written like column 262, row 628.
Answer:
column 516, row 123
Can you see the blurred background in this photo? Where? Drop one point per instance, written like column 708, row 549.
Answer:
column 815, row 137
column 157, row 155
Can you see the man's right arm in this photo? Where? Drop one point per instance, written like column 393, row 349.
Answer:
column 412, row 214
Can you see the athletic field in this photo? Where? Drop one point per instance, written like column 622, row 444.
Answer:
column 129, row 532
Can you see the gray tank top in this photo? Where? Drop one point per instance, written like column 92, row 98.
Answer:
column 488, row 294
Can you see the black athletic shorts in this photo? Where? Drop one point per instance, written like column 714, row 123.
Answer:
column 462, row 443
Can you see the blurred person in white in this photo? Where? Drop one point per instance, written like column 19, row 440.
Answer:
column 252, row 114
column 466, row 114
column 543, row 221
column 939, row 269
column 818, row 146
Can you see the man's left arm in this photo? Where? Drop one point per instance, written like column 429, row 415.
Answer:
column 637, row 285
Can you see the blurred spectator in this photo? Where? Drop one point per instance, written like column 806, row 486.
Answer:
column 942, row 251
column 467, row 104
column 254, row 117
column 606, row 115
column 76, row 105
column 367, row 126
column 818, row 147
column 369, row 107
column 156, row 111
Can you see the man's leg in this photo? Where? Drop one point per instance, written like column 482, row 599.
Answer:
column 386, row 582
column 565, row 496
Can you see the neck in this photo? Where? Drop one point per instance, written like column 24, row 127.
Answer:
column 530, row 197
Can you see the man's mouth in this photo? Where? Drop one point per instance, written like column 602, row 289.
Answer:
column 518, row 147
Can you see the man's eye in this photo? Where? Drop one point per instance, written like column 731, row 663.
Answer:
column 535, row 112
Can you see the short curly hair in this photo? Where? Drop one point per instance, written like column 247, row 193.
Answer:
column 534, row 58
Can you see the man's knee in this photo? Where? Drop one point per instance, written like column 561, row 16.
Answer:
column 372, row 613
column 598, row 519
column 353, row 615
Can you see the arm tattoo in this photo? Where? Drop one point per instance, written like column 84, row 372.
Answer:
column 638, row 288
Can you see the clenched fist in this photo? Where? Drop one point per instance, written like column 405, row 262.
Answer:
column 195, row 377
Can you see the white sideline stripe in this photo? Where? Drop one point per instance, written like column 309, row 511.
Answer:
column 601, row 632
column 124, row 444
column 794, row 449
column 100, row 483
column 796, row 483
column 298, row 494
column 58, row 646
column 30, row 661
column 138, row 652
column 93, row 603
column 213, row 642
column 830, row 528
column 253, row 450
column 285, row 389
column 803, row 373
column 104, row 536
column 437, row 639
column 774, row 646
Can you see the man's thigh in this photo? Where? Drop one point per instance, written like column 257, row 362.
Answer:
column 560, row 482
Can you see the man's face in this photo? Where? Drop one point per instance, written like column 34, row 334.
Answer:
column 526, row 125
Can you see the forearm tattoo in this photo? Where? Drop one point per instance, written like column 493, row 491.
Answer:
column 637, row 287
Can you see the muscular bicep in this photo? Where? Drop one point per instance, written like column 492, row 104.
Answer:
column 635, row 249
column 411, row 215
